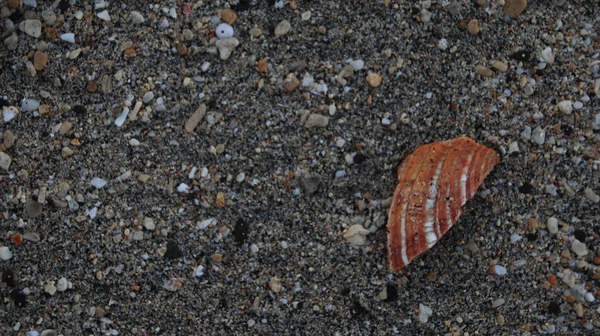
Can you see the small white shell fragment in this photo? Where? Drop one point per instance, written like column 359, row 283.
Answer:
column 357, row 65
column 104, row 15
column 9, row 113
column 500, row 270
column 183, row 188
column 192, row 173
column 356, row 234
column 199, row 271
column 134, row 142
column 424, row 313
column 93, row 213
column 68, row 37
column 98, row 182
column 29, row 105
column 205, row 223
column 548, row 56
column 565, row 106
column 224, row 30
column 589, row 297
column 5, row 253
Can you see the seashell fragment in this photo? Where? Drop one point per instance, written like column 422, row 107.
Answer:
column 434, row 182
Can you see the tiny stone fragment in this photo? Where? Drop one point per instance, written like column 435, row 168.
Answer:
column 193, row 121
column 483, row 71
column 316, row 120
column 282, row 28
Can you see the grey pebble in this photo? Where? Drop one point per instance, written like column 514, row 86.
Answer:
column 5, row 161
column 311, row 182
column 316, row 120
column 538, row 136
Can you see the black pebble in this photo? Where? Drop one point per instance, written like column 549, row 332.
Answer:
column 580, row 235
column 8, row 277
column 526, row 188
column 63, row 5
column 554, row 308
column 345, row 291
column 242, row 5
column 522, row 55
column 3, row 102
column 19, row 298
column 79, row 109
column 240, row 231
column 392, row 292
column 173, row 251
column 359, row 158
column 532, row 237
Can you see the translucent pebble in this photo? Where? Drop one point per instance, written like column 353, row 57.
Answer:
column 68, row 37
column 500, row 270
column 30, row 105
column 98, row 182
column 224, row 30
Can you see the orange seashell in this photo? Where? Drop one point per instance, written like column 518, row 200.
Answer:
column 434, row 182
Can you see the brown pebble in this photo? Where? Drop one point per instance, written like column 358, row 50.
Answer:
column 44, row 109
column 220, row 200
column 291, row 82
column 13, row 3
column 532, row 224
column 473, row 27
column 33, row 208
column 106, row 84
column 570, row 298
column 374, row 79
column 130, row 52
column 500, row 66
column 596, row 258
column 40, row 60
column 431, row 277
column 228, row 16
column 552, row 280
column 66, row 152
column 262, row 66
column 322, row 30
column 217, row 257
column 91, row 86
column 255, row 32
column 484, row 71
column 195, row 118
column 596, row 276
column 182, row 49
column 51, row 32
column 16, row 239
column 293, row 4
column 9, row 139
column 514, row 8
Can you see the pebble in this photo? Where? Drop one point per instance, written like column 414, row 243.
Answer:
column 199, row 271
column 104, row 15
column 566, row 106
column 374, row 79
column 49, row 17
column 224, row 30
column 311, row 182
column 228, row 16
column 426, row 15
column 62, row 284
column 514, row 8
column 134, row 142
column 13, row 4
column 526, row 134
column 538, row 136
column 357, row 65
column 291, row 82
column 30, row 105
column 173, row 284
column 473, row 27
column 425, row 313
column 306, row 16
column 240, row 177
column 137, row 17
column 193, row 121
column 5, row 253
column 40, row 60
column 356, row 234
column 9, row 139
column 31, row 236
column 11, row 41
column 255, row 32
column 5, row 161
column 548, row 56
column 483, row 71
column 552, row 225
column 98, row 183
column 164, row 23
column 68, row 37
column 275, row 284
column 9, row 113
column 106, row 84
column 589, row 297
column 183, row 188
column 515, row 238
column 32, row 28
column 316, row 120
column 500, row 66
column 66, row 152
column 497, row 303
column 206, row 223
column 577, row 105
column 579, row 248
column 513, row 147
column 499, row 270
column 33, row 209
column 226, row 46
column 50, row 288
column 282, row 28
column 49, row 332
column 591, row 195
column 148, row 96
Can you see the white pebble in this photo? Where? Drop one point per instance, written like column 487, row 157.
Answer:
column 204, row 172
column 565, row 106
column 164, row 23
column 497, row 303
column 29, row 105
column 538, row 136
column 68, row 37
column 386, row 121
column 254, row 248
column 577, row 105
column 424, row 313
column 589, row 297
column 98, row 182
column 515, row 238
column 552, row 224
column 5, row 253
column 137, row 17
column 442, row 44
column 183, row 188
column 192, row 173
column 104, row 15
column 205, row 66
column 500, row 270
column 340, row 173
column 93, row 213
column 9, row 113
column 356, row 235
column 357, row 65
column 149, row 224
column 579, row 248
column 148, row 96
column 62, row 284
column 240, row 177
column 134, row 142
column 548, row 56
column 340, row 142
column 224, row 30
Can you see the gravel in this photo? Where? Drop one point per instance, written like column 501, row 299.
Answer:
column 241, row 167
